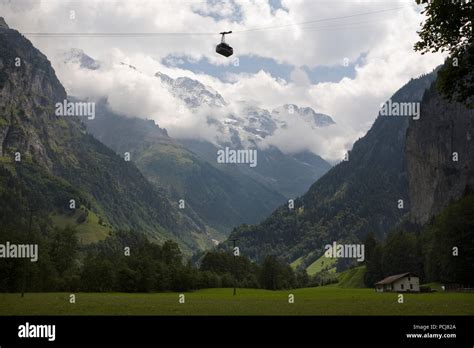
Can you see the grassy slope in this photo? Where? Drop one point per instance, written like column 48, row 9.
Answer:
column 352, row 278
column 295, row 264
column 90, row 231
column 323, row 263
column 311, row 301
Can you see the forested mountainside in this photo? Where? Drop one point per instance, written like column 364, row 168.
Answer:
column 288, row 174
column 438, row 244
column 355, row 197
column 214, row 197
column 53, row 160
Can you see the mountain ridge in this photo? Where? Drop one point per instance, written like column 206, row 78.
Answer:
column 353, row 198
column 60, row 161
column 217, row 198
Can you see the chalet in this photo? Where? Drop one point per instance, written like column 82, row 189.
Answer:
column 405, row 282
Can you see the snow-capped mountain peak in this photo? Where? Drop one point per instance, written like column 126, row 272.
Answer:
column 77, row 56
column 192, row 92
column 306, row 113
column 240, row 123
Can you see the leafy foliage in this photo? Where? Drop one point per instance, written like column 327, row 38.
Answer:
column 430, row 253
column 448, row 27
column 454, row 227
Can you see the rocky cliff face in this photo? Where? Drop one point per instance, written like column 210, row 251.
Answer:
column 60, row 161
column 28, row 90
column 3, row 24
column 440, row 155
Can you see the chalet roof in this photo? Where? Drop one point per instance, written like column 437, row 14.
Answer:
column 393, row 278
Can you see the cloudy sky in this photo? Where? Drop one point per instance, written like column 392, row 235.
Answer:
column 340, row 57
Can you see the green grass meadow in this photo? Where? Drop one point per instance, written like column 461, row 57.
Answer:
column 328, row 300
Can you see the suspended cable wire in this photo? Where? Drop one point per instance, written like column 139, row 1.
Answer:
column 157, row 34
column 122, row 34
column 320, row 20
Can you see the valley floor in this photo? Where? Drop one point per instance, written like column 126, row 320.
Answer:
column 310, row 301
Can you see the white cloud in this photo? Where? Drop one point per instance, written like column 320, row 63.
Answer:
column 309, row 43
column 386, row 39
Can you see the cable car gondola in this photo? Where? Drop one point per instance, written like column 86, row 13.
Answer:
column 224, row 48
